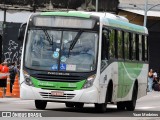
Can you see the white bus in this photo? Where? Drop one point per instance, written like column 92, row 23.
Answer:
column 82, row 58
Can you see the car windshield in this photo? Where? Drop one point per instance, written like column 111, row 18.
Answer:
column 51, row 50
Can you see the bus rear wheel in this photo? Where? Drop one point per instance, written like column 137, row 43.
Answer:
column 40, row 104
column 130, row 105
column 120, row 105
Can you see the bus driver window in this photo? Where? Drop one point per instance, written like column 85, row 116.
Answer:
column 105, row 48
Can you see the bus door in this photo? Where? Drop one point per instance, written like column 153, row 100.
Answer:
column 104, row 64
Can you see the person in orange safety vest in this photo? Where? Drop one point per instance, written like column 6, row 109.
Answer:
column 3, row 75
column 4, row 69
column 0, row 67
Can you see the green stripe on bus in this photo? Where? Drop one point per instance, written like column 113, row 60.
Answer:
column 68, row 14
column 58, row 85
column 127, row 74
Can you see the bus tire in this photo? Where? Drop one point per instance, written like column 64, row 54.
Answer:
column 40, row 104
column 69, row 104
column 130, row 105
column 120, row 105
column 79, row 105
column 102, row 107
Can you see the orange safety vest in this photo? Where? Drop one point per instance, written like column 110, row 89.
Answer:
column 4, row 69
column 0, row 67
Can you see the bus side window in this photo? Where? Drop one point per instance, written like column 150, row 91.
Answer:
column 143, row 48
column 123, row 52
column 130, row 47
column 146, row 48
column 137, row 47
column 119, row 38
column 105, row 45
column 111, row 44
column 133, row 47
column 104, row 49
column 126, row 45
column 140, row 48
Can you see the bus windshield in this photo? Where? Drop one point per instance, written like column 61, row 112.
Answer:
column 59, row 50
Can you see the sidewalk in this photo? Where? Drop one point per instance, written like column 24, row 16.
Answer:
column 8, row 99
column 150, row 96
column 153, row 92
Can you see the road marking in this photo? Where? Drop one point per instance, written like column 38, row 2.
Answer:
column 144, row 107
column 21, row 102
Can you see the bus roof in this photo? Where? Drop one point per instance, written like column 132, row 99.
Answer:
column 107, row 19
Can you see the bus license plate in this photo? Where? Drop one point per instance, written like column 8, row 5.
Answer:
column 57, row 93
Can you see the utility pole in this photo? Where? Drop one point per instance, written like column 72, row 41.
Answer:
column 96, row 5
column 3, row 29
column 145, row 13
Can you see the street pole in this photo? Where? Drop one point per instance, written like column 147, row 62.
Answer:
column 145, row 13
column 3, row 30
column 96, row 5
column 3, row 33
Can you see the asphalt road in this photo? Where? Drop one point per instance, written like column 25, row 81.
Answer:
column 149, row 105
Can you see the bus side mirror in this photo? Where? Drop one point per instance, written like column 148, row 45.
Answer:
column 22, row 31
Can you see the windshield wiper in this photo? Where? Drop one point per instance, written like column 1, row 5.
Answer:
column 74, row 41
column 48, row 37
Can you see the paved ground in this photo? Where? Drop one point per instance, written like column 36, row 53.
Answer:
column 148, row 104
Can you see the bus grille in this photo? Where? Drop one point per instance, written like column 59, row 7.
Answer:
column 48, row 95
column 58, row 78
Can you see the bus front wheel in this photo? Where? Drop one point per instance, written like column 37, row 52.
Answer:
column 79, row 105
column 69, row 104
column 40, row 104
column 102, row 107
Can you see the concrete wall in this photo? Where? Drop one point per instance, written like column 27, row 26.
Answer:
column 12, row 48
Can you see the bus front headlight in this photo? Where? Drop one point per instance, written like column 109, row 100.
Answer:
column 89, row 81
column 27, row 79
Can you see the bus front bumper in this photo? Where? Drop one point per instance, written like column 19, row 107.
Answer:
column 89, row 95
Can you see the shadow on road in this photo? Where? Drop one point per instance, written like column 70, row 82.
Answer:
column 84, row 110
column 87, row 112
